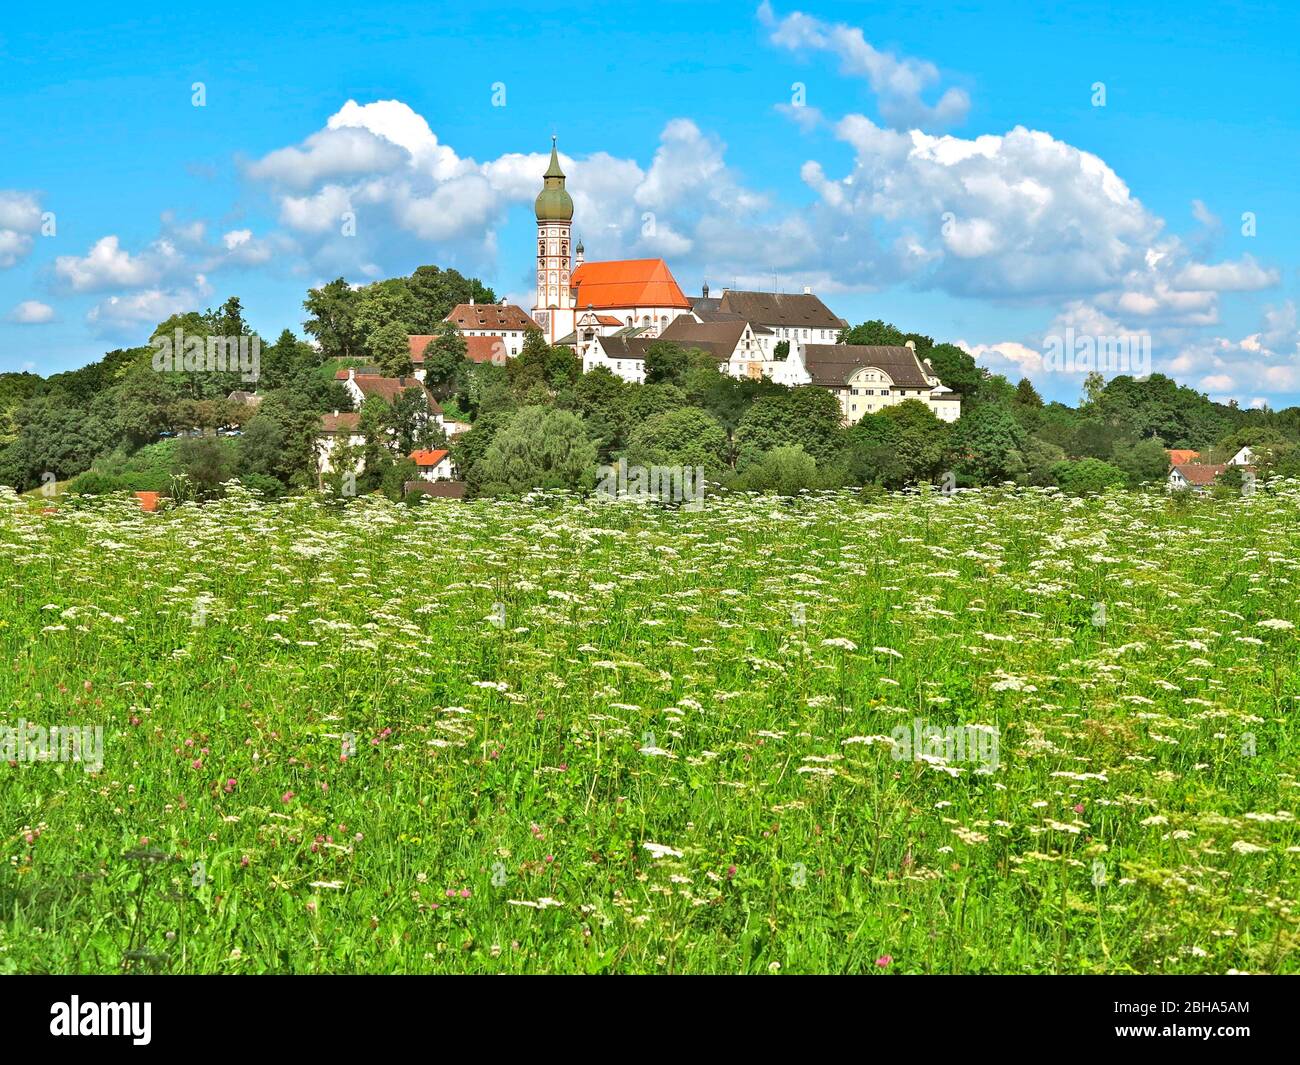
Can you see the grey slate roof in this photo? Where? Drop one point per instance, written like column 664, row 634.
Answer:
column 621, row 347
column 687, row 332
column 831, row 365
column 801, row 310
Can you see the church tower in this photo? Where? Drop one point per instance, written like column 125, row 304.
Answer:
column 553, row 311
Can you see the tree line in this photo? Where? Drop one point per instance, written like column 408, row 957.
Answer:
column 538, row 421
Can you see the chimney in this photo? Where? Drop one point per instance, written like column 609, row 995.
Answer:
column 336, row 412
column 471, row 301
column 807, row 290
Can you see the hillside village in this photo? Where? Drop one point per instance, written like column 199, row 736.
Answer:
column 430, row 385
column 616, row 312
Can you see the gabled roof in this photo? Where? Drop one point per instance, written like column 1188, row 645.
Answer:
column 687, row 332
column 1199, row 474
column 485, row 349
column 626, row 283
column 490, row 316
column 1182, row 456
column 477, row 349
column 621, row 347
column 340, row 422
column 831, row 365
column 429, row 458
column 389, row 388
column 787, row 309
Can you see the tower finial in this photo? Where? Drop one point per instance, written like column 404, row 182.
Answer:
column 553, row 203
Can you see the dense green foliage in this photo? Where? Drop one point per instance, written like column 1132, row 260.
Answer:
column 687, row 414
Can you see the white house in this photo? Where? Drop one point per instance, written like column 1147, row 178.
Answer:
column 343, row 428
column 481, row 324
column 337, row 430
column 1198, row 477
column 868, row 378
column 624, row 357
column 733, row 343
column 362, row 386
column 799, row 318
column 434, row 465
column 1244, row 457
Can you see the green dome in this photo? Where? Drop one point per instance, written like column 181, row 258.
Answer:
column 554, row 204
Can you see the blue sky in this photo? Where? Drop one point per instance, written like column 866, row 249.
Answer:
column 948, row 170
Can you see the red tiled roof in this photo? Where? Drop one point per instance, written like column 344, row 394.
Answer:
column 429, row 458
column 627, row 283
column 490, row 316
column 389, row 388
column 486, row 349
column 1181, row 457
column 346, row 421
column 1197, row 474
column 478, row 349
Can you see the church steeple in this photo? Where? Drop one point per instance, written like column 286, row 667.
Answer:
column 553, row 310
column 554, row 169
column 554, row 204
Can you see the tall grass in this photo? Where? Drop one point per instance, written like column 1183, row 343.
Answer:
column 567, row 736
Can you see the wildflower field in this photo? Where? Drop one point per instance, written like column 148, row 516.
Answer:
column 568, row 736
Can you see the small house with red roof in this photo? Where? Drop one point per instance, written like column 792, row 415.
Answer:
column 343, row 428
column 1195, row 476
column 434, row 465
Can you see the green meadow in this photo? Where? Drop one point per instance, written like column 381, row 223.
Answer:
column 574, row 736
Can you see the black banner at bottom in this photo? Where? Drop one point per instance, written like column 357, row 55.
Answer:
column 368, row 1012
